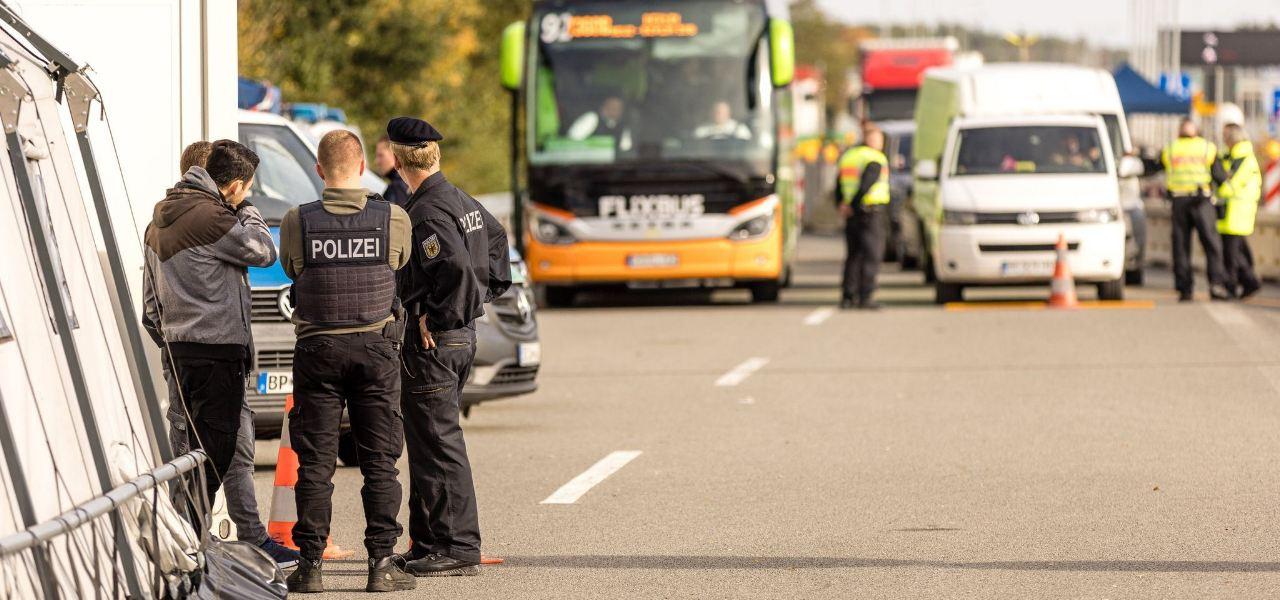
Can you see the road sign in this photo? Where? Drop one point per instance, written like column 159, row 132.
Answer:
column 1231, row 48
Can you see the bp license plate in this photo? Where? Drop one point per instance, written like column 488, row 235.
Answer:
column 529, row 354
column 275, row 382
column 1027, row 268
column 652, row 261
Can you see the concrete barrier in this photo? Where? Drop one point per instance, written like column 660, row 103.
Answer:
column 1265, row 240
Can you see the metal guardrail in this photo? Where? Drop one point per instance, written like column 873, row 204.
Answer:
column 1265, row 240
column 84, row 513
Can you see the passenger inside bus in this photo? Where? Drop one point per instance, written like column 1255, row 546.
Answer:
column 608, row 120
column 722, row 126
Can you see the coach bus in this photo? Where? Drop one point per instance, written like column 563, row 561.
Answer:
column 657, row 144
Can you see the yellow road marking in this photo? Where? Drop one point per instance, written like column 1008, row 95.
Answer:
column 1024, row 305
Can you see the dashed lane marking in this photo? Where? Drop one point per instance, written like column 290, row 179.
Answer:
column 819, row 316
column 1084, row 305
column 741, row 372
column 580, row 485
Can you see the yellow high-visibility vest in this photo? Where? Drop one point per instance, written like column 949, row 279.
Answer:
column 852, row 164
column 1241, row 191
column 1187, row 163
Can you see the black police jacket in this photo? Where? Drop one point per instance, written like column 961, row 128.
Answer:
column 451, row 272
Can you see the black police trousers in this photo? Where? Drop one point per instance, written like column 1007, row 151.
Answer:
column 1237, row 261
column 213, row 391
column 362, row 370
column 442, row 497
column 864, row 235
column 1195, row 212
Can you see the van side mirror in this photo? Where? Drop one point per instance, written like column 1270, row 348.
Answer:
column 512, row 59
column 782, row 52
column 1130, row 166
column 926, row 169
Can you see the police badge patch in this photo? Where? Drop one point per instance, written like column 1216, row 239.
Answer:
column 431, row 246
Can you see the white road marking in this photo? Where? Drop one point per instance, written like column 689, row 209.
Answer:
column 741, row 372
column 747, row 400
column 570, row 492
column 1227, row 314
column 819, row 316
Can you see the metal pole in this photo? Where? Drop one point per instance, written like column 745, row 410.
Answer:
column 12, row 93
column 517, row 205
column 25, row 505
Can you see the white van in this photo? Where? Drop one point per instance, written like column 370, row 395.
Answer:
column 1009, row 157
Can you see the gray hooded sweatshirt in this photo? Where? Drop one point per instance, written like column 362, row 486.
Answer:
column 195, row 282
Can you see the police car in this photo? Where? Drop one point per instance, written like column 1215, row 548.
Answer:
column 508, row 351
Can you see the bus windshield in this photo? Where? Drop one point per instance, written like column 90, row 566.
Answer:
column 1033, row 149
column 631, row 81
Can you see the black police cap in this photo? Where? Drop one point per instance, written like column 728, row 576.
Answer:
column 408, row 131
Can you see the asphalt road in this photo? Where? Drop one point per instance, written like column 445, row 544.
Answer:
column 915, row 452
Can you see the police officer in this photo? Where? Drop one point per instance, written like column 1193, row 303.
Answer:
column 862, row 191
column 342, row 252
column 1239, row 192
column 444, row 290
column 1189, row 163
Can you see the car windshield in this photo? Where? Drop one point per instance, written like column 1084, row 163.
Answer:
column 284, row 178
column 1029, row 149
column 637, row 81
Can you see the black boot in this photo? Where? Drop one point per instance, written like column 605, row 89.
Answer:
column 306, row 579
column 439, row 565
column 385, row 576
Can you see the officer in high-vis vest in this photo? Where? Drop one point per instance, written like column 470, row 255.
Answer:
column 1238, row 197
column 1189, row 163
column 342, row 253
column 862, row 191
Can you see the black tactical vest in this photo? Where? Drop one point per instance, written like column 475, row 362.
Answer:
column 346, row 280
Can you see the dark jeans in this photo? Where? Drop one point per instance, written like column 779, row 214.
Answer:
column 864, row 234
column 242, row 504
column 1238, row 263
column 1195, row 212
column 362, row 371
column 214, row 394
column 442, row 498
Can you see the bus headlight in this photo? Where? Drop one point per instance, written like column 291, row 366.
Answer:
column 959, row 217
column 752, row 228
column 1099, row 215
column 547, row 231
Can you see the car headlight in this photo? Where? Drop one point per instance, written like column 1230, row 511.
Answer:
column 1099, row 215
column 752, row 228
column 547, row 231
column 959, row 217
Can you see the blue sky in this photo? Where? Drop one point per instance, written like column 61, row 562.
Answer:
column 1102, row 21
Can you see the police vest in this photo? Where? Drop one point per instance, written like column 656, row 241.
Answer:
column 1187, row 162
column 346, row 280
column 1241, row 191
column 852, row 164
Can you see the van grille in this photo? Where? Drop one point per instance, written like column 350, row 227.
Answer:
column 1025, row 247
column 275, row 360
column 1012, row 218
column 266, row 306
column 510, row 375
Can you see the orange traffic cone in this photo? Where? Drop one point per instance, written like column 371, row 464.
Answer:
column 1062, row 290
column 284, row 508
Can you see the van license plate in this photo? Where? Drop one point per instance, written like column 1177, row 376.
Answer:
column 652, row 261
column 1030, row 268
column 275, row 382
column 529, row 354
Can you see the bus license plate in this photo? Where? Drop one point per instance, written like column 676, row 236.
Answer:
column 651, row 261
column 275, row 382
column 1030, row 268
column 529, row 354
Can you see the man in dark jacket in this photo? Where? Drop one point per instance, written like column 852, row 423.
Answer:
column 201, row 239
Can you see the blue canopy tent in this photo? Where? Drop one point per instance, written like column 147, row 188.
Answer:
column 1137, row 95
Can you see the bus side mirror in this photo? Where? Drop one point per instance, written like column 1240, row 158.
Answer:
column 782, row 52
column 926, row 169
column 512, row 61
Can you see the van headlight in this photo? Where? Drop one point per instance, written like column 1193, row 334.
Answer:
column 1099, row 215
column 959, row 217
column 752, row 228
column 550, row 232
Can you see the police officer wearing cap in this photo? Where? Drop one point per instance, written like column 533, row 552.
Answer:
column 342, row 252
column 449, row 278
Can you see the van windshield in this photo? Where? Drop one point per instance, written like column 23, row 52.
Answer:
column 1029, row 149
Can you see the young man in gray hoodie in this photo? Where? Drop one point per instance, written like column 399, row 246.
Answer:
column 202, row 238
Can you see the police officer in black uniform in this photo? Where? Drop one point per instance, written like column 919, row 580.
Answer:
column 450, row 276
column 342, row 253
